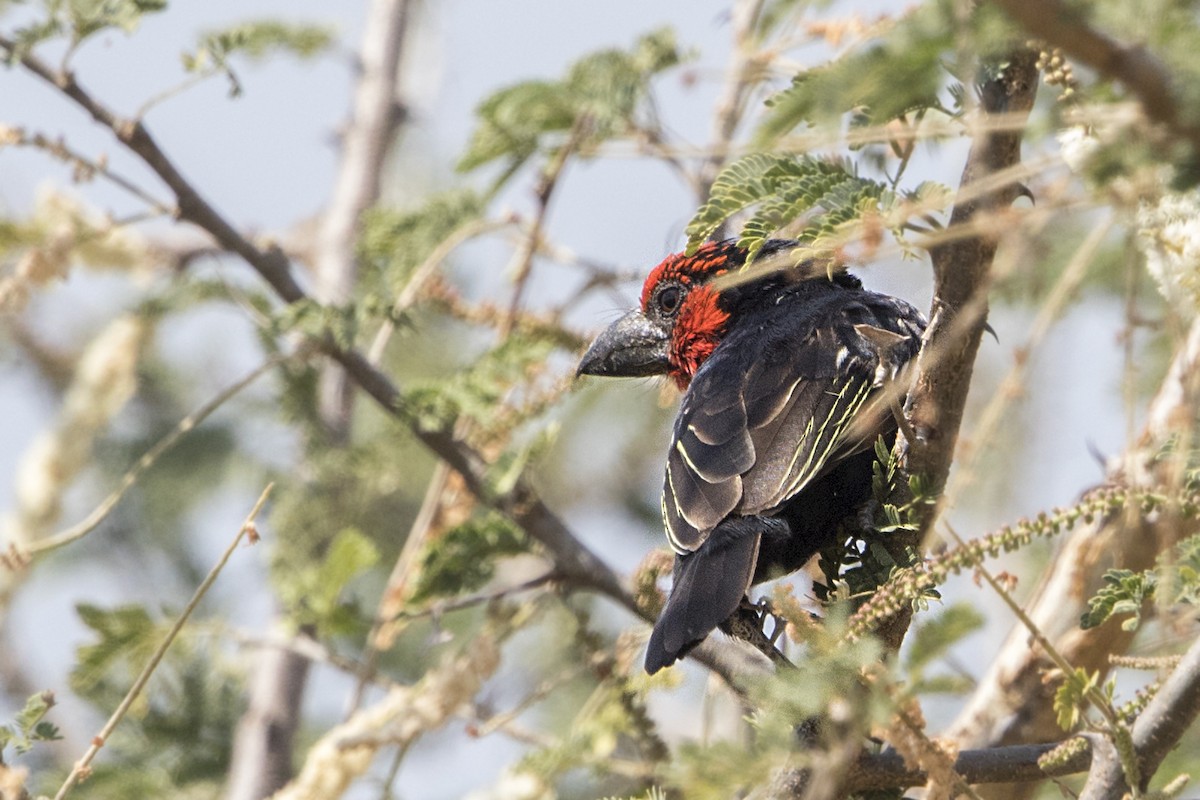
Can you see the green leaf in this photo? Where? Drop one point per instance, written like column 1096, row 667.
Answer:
column 464, row 558
column 1070, row 698
column 30, row 36
column 88, row 17
column 395, row 242
column 513, row 121
column 350, row 553
column 741, row 184
column 319, row 592
column 599, row 97
column 895, row 74
column 931, row 640
column 256, row 40
column 316, row 320
column 785, row 189
column 479, row 390
column 29, row 726
column 1124, row 592
column 127, row 638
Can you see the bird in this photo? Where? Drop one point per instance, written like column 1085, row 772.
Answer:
column 790, row 372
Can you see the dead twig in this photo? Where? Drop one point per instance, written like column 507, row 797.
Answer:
column 82, row 767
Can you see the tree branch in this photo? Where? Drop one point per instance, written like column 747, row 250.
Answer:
column 961, row 274
column 82, row 767
column 1156, row 732
column 1132, row 65
column 262, row 753
column 961, row 268
column 377, row 114
column 992, row 765
column 1013, row 702
column 576, row 563
column 739, row 78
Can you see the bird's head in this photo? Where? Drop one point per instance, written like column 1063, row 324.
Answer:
column 678, row 325
column 681, row 319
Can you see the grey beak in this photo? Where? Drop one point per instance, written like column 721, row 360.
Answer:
column 632, row 347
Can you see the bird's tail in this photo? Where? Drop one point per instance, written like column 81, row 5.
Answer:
column 709, row 585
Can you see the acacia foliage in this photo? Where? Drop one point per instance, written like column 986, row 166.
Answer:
column 827, row 157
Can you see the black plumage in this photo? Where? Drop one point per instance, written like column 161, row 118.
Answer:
column 772, row 446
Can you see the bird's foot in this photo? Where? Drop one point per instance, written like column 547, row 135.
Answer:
column 748, row 623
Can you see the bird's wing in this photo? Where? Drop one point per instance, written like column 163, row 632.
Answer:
column 771, row 411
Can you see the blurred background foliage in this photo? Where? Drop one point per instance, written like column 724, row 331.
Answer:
column 843, row 125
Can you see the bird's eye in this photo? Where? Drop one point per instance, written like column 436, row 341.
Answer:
column 668, row 299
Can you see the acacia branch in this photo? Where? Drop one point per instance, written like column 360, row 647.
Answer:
column 740, row 73
column 82, row 767
column 149, row 459
column 1156, row 732
column 1133, row 65
column 961, row 268
column 262, row 753
column 579, row 567
column 1013, row 702
column 377, row 114
column 991, row 765
column 270, row 263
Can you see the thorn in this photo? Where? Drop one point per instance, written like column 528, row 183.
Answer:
column 987, row 327
column 902, row 421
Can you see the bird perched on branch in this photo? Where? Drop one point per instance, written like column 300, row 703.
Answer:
column 790, row 373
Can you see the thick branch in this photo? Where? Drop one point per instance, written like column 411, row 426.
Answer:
column 961, row 267
column 961, row 272
column 1133, row 65
column 1013, row 702
column 366, row 142
column 993, row 765
column 262, row 753
column 1156, row 732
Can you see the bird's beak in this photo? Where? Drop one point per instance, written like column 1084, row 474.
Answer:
column 632, row 347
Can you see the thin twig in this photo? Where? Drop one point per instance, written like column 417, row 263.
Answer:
column 57, row 148
column 83, row 767
column 1094, row 693
column 740, row 78
column 467, row 601
column 1012, row 702
column 149, row 458
column 174, row 91
column 522, row 260
column 395, row 590
column 1156, row 731
column 540, row 692
column 305, row 647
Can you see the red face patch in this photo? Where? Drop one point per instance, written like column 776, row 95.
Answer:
column 698, row 329
column 710, row 260
column 700, row 321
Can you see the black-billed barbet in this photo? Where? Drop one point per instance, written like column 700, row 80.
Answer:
column 786, row 379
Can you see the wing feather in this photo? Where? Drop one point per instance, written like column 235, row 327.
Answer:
column 776, row 408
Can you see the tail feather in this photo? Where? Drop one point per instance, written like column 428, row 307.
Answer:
column 709, row 585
